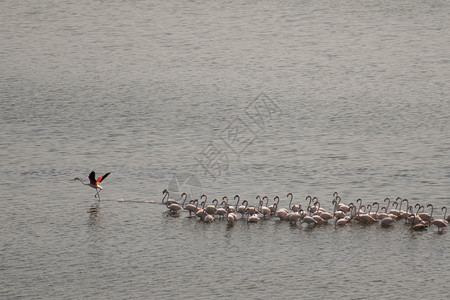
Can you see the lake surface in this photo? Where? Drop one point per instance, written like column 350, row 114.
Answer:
column 221, row 98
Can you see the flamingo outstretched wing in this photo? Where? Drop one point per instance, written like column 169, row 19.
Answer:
column 100, row 179
column 92, row 178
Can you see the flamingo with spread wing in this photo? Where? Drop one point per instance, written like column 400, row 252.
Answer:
column 94, row 183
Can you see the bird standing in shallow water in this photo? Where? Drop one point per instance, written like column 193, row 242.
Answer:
column 94, row 183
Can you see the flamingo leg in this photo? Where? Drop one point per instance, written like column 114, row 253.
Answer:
column 98, row 193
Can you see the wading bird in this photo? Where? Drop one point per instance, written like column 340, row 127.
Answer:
column 94, row 183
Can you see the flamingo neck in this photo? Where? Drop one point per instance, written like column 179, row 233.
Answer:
column 81, row 181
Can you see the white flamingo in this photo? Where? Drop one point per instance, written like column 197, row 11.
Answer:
column 201, row 213
column 340, row 222
column 394, row 211
column 416, row 223
column 404, row 213
column 364, row 217
column 222, row 211
column 253, row 218
column 425, row 216
column 175, row 207
column 231, row 217
column 211, row 209
column 282, row 213
column 294, row 208
column 339, row 214
column 313, row 209
column 384, row 214
column 414, row 219
column 388, row 221
column 208, row 218
column 191, row 208
column 273, row 207
column 168, row 201
column 417, row 226
column 294, row 217
column 251, row 210
column 441, row 223
column 309, row 220
column 323, row 214
column 241, row 208
column 336, row 211
column 318, row 219
column 341, row 206
column 264, row 210
column 230, row 208
column 375, row 214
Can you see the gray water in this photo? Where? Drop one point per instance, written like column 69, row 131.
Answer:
column 308, row 97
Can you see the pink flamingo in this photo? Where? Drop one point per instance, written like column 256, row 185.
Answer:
column 95, row 183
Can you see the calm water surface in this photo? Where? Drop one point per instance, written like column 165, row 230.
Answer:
column 359, row 98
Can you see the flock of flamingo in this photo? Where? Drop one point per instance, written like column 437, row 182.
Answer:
column 314, row 215
column 371, row 213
